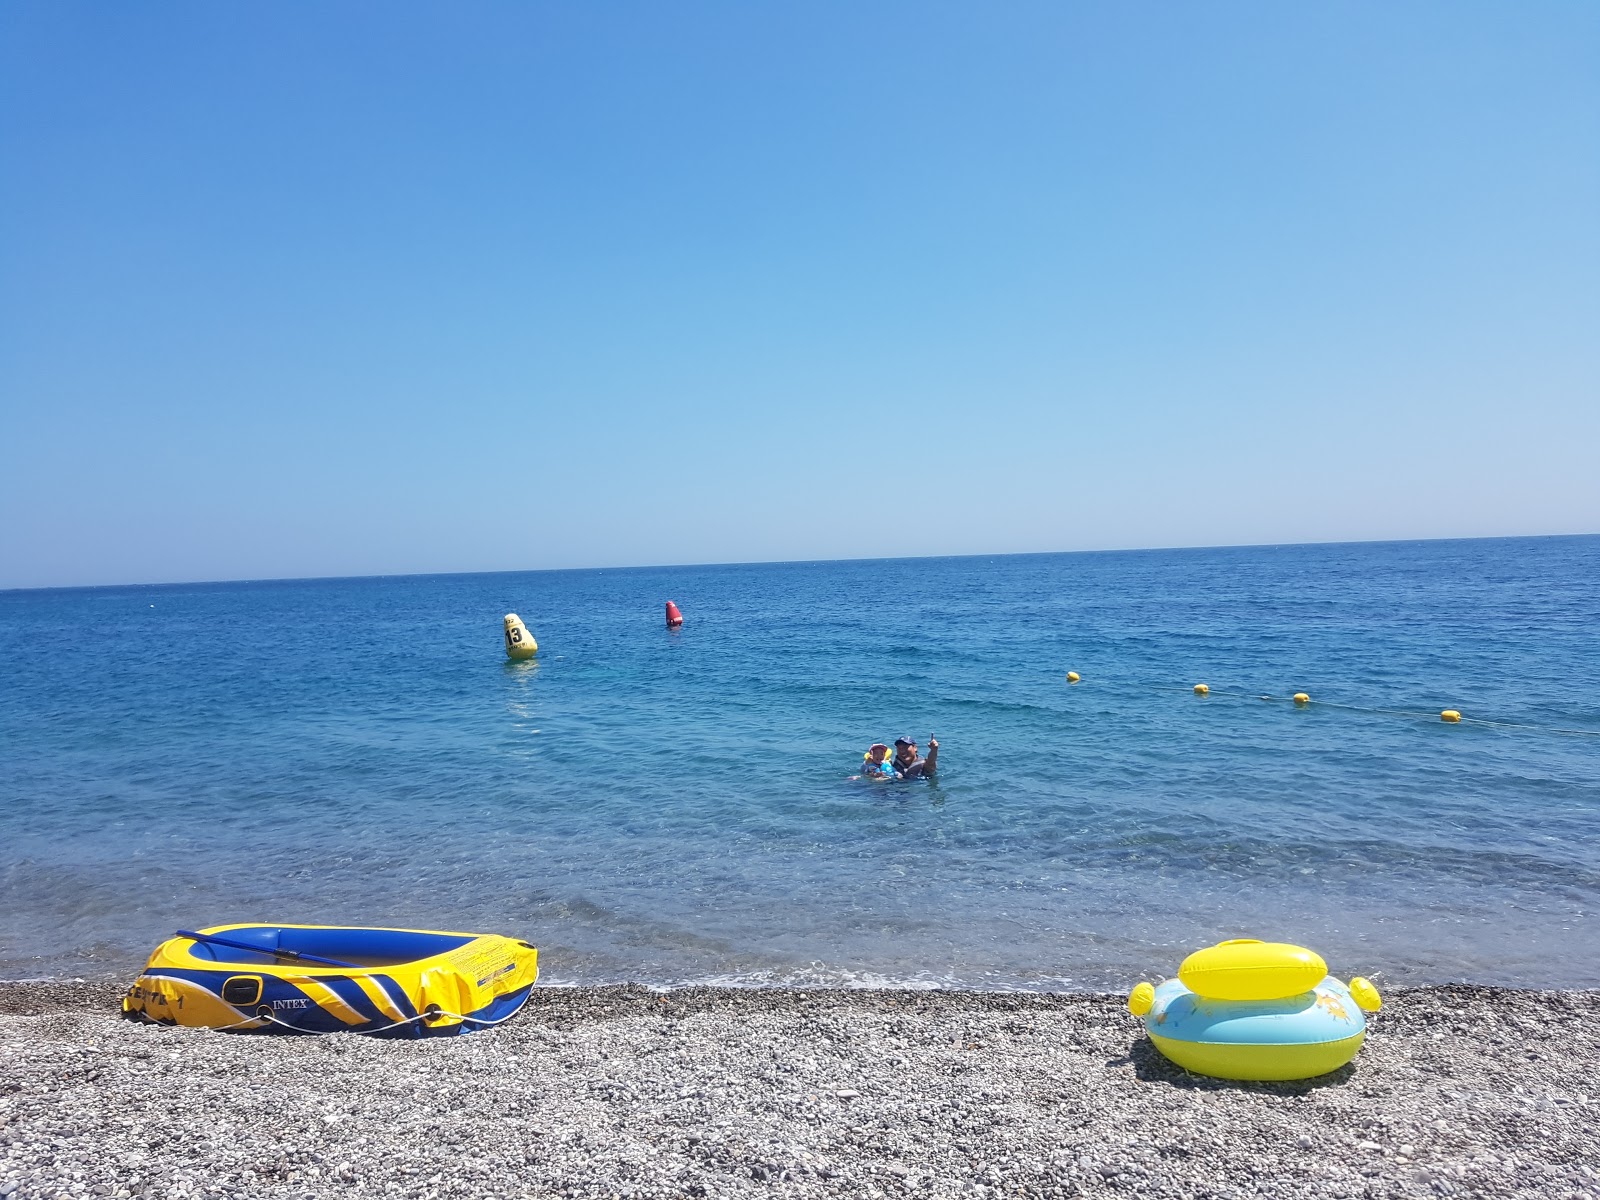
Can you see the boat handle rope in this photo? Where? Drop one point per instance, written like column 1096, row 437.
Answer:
column 433, row 1013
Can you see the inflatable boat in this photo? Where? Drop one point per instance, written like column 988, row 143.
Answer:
column 334, row 979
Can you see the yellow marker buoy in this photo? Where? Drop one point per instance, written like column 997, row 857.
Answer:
column 1201, row 689
column 1072, row 677
column 1301, row 698
column 519, row 642
column 1450, row 714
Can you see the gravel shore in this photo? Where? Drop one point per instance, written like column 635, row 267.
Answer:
column 624, row 1092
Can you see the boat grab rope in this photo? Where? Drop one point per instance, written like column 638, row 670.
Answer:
column 434, row 1013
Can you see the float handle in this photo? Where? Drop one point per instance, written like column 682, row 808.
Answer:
column 214, row 940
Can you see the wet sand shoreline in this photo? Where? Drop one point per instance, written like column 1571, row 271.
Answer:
column 627, row 1092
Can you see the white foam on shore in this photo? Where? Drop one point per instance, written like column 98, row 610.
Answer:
column 820, row 976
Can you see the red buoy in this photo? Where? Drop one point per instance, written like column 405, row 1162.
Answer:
column 674, row 617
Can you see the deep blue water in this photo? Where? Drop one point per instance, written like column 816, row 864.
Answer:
column 669, row 807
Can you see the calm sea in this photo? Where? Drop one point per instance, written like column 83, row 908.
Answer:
column 669, row 807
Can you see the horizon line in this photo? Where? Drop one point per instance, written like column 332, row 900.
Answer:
column 776, row 562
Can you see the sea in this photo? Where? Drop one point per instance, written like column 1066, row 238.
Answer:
column 674, row 807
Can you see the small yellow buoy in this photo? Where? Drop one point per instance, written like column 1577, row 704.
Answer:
column 1201, row 689
column 519, row 642
column 1072, row 677
column 1140, row 999
column 1301, row 698
column 1450, row 714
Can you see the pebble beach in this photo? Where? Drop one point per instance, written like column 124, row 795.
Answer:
column 706, row 1092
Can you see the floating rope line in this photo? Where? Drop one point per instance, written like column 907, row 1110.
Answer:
column 1301, row 700
column 1457, row 719
column 1386, row 712
column 1536, row 728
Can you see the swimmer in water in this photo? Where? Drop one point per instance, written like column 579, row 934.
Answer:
column 875, row 764
column 907, row 765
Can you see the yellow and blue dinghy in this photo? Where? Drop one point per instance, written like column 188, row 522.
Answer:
column 334, row 979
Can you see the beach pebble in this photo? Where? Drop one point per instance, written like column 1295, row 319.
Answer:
column 596, row 1093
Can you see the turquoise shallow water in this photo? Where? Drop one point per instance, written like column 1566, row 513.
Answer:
column 670, row 807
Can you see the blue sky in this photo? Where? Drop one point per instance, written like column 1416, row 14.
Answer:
column 341, row 289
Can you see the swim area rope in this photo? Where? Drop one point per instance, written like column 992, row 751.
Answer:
column 1454, row 718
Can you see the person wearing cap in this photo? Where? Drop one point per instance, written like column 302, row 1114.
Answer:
column 907, row 765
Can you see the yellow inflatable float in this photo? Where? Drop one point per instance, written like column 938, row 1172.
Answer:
column 334, row 979
column 1248, row 1009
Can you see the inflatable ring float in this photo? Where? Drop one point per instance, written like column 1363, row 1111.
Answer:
column 1253, row 1010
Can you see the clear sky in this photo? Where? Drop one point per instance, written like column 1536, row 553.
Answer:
column 305, row 289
